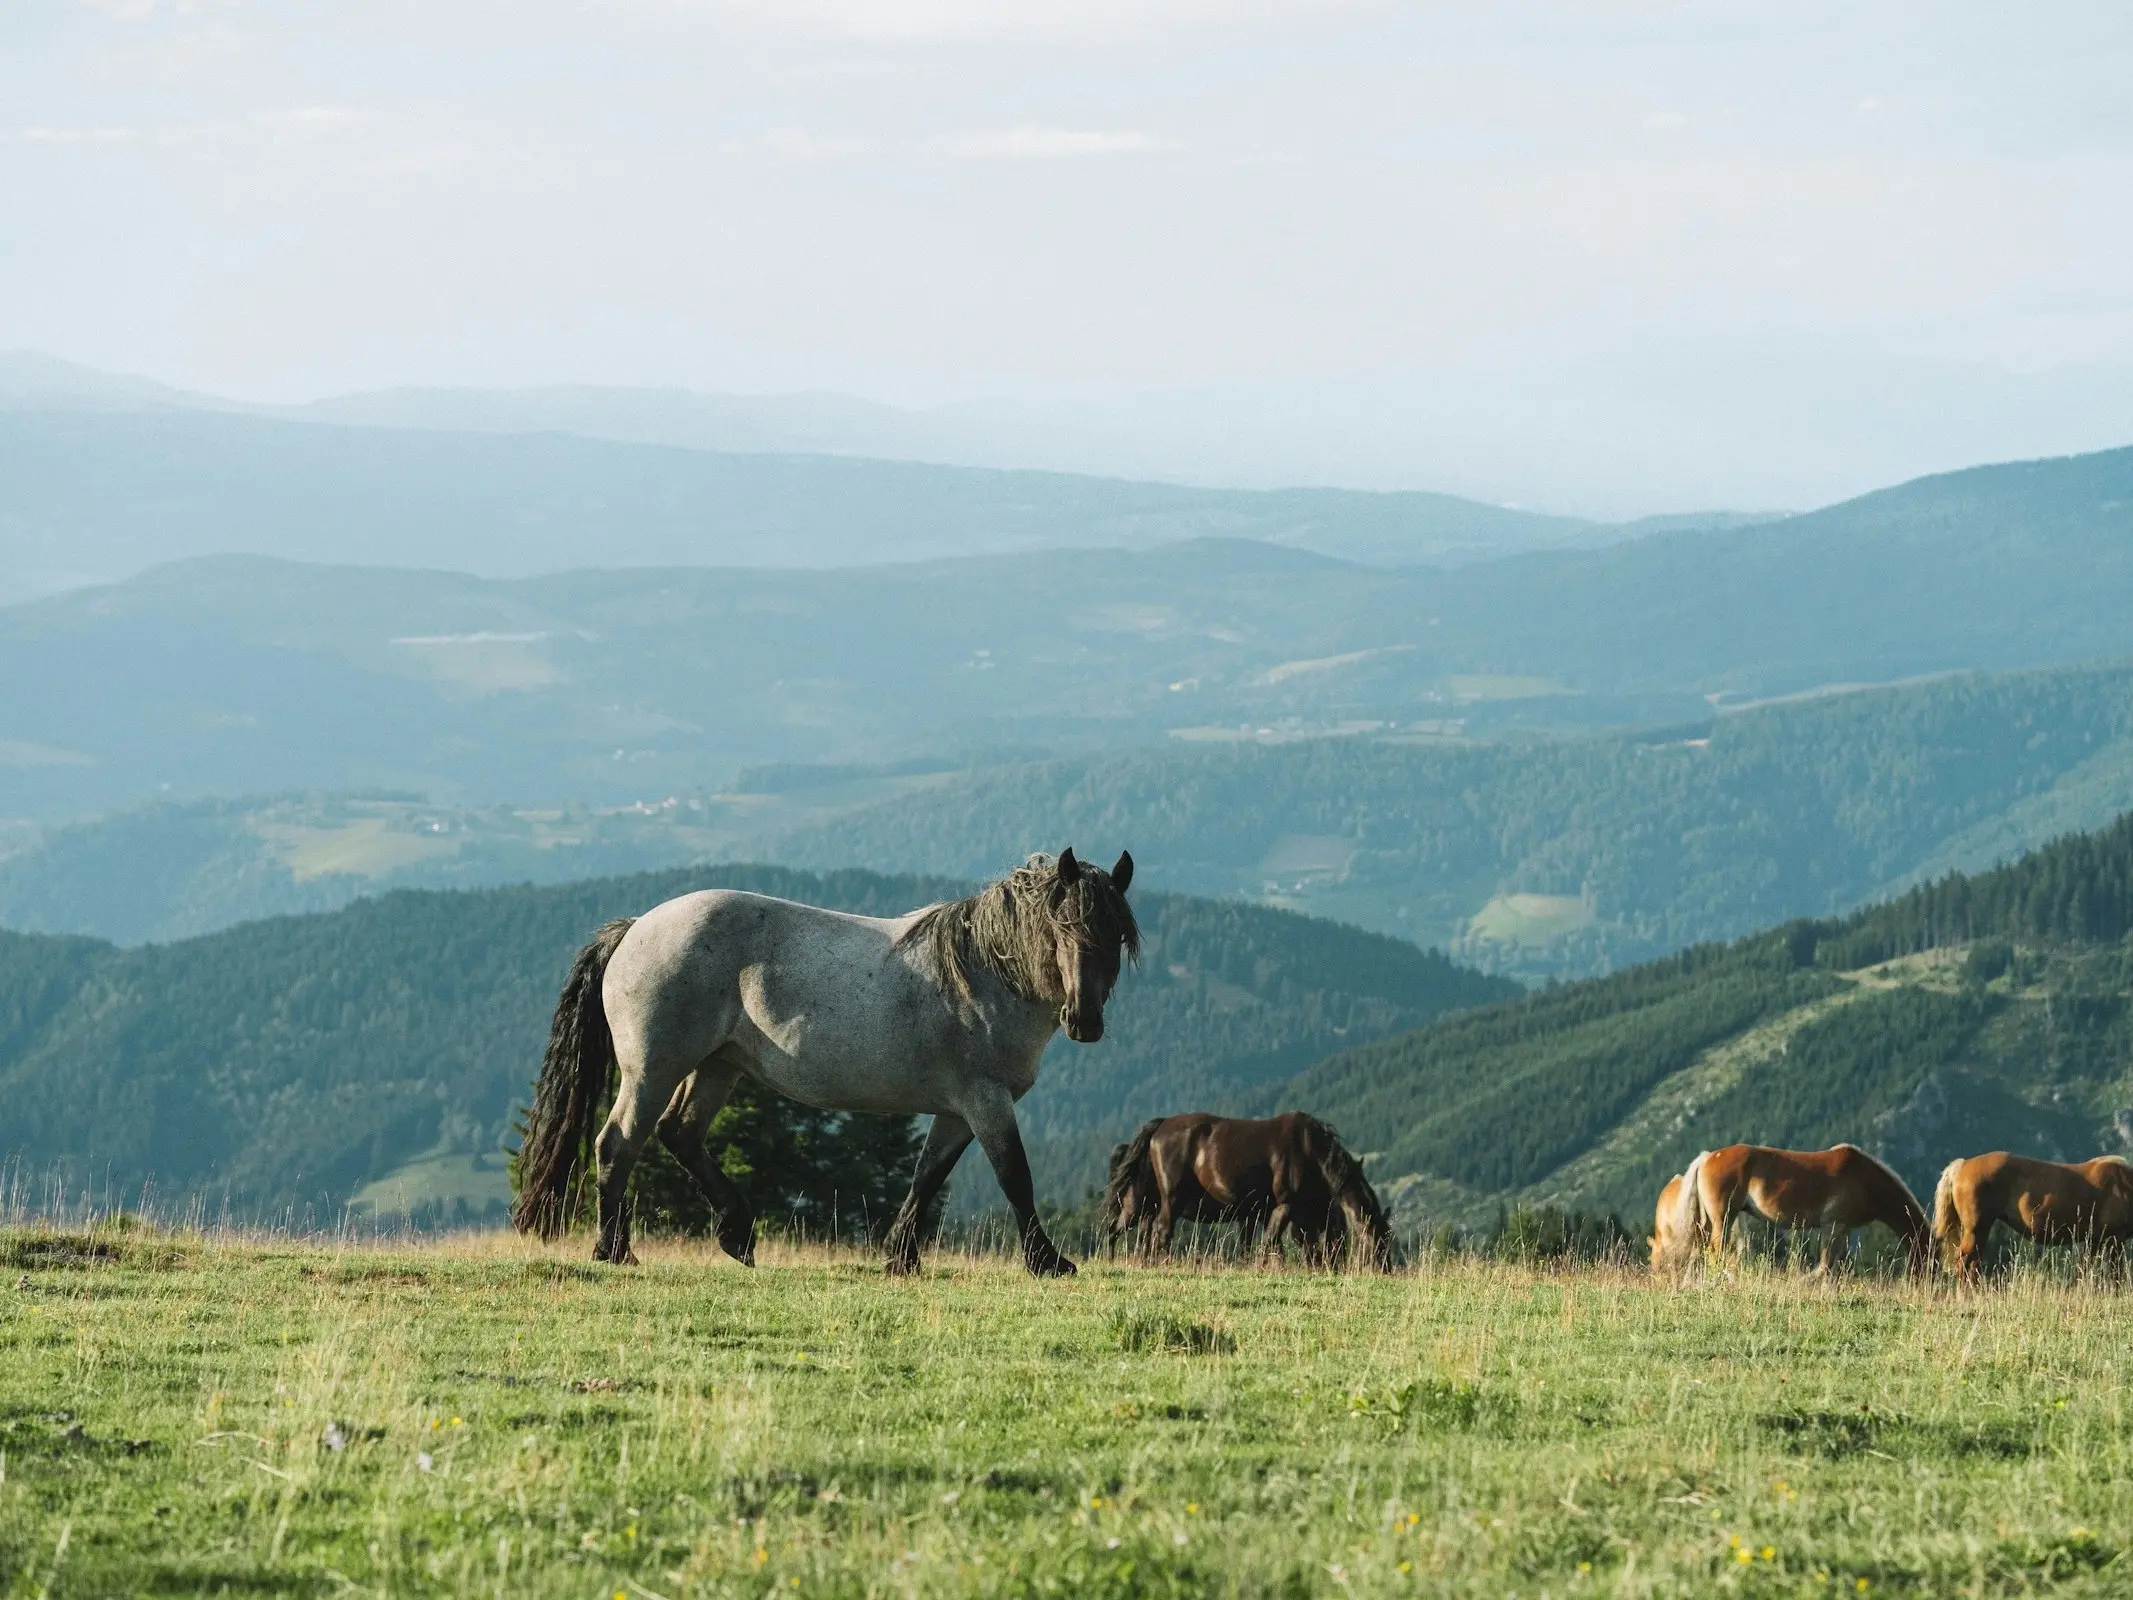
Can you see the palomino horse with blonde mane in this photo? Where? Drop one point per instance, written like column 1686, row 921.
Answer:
column 2053, row 1203
column 946, row 1010
column 1677, row 1226
column 1833, row 1190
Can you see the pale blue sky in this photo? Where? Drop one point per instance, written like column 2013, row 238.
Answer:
column 943, row 200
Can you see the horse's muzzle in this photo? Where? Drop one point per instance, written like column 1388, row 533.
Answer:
column 1082, row 1029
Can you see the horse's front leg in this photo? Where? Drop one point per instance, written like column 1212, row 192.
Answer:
column 682, row 1130
column 991, row 1115
column 946, row 1141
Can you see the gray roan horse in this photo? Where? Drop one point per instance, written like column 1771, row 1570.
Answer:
column 946, row 1010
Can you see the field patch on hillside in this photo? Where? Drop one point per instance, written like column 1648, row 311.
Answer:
column 485, row 1417
column 1531, row 919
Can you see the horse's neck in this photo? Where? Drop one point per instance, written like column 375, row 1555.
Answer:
column 1006, row 1015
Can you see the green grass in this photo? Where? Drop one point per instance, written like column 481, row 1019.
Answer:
column 516, row 1422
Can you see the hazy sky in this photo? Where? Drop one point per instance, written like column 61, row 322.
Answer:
column 933, row 200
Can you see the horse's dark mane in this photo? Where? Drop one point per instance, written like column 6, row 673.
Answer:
column 1011, row 928
column 1344, row 1176
column 1129, row 1170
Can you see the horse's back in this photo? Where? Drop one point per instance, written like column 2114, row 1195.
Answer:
column 2048, row 1200
column 721, row 964
column 742, row 917
column 1199, row 1154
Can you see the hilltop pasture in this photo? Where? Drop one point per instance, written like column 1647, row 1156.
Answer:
column 195, row 1414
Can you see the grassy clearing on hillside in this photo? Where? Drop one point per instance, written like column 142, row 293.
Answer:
column 184, row 1414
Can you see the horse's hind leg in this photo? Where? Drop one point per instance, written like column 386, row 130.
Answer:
column 1972, row 1232
column 1277, row 1225
column 682, row 1130
column 946, row 1141
column 1836, row 1248
column 640, row 1100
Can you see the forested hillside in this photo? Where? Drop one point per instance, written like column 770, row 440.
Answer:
column 289, row 1066
column 1566, row 856
column 181, row 868
column 1974, row 1013
column 1533, row 857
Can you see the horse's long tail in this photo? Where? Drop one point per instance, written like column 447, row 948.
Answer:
column 1351, row 1190
column 1129, row 1170
column 1946, row 1225
column 1677, row 1233
column 1695, row 1223
column 566, row 1098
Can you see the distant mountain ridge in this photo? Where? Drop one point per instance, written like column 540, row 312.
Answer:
column 1436, row 527
column 102, row 477
column 243, row 675
column 1610, row 437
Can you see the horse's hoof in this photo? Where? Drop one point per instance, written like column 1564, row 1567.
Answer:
column 741, row 1250
column 901, row 1266
column 1056, row 1267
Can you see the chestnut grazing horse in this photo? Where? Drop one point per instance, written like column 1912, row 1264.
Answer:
column 1287, row 1174
column 945, row 1010
column 1835, row 1190
column 2087, row 1204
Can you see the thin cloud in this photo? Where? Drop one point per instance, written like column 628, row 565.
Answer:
column 1102, row 22
column 797, row 144
column 1046, row 144
column 299, row 121
column 76, row 136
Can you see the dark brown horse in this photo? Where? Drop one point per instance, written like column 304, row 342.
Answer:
column 1286, row 1174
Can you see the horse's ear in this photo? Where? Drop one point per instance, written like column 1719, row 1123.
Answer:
column 1122, row 874
column 1069, row 868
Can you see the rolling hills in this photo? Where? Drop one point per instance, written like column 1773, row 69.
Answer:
column 1533, row 857
column 289, row 1067
column 1568, row 856
column 233, row 675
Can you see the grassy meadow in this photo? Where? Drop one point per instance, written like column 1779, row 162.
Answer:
column 195, row 1414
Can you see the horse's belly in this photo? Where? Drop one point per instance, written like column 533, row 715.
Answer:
column 891, row 1071
column 835, row 1075
column 2049, row 1217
